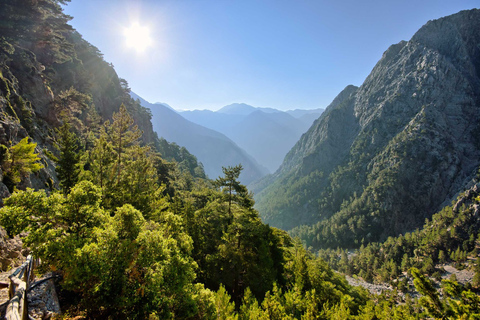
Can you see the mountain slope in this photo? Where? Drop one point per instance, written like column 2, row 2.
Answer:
column 217, row 121
column 212, row 148
column 383, row 157
column 49, row 78
column 265, row 133
column 267, row 136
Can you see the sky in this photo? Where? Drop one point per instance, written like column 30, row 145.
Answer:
column 283, row 54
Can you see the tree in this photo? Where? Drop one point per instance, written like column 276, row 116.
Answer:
column 125, row 171
column 274, row 305
column 121, row 267
column 123, row 134
column 100, row 161
column 68, row 163
column 225, row 308
column 18, row 162
column 250, row 310
column 476, row 276
column 56, row 225
column 232, row 189
column 430, row 300
column 442, row 257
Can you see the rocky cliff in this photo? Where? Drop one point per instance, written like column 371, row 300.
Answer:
column 390, row 153
column 50, row 75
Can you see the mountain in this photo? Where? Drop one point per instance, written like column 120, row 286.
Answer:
column 217, row 121
column 50, row 78
column 267, row 136
column 265, row 133
column 387, row 155
column 244, row 109
column 300, row 113
column 237, row 108
column 164, row 104
column 139, row 228
column 211, row 148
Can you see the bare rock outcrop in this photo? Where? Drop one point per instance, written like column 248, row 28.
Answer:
column 11, row 251
column 392, row 152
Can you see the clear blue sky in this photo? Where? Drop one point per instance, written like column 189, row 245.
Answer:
column 284, row 54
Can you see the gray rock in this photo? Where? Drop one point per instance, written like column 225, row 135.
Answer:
column 406, row 141
column 10, row 251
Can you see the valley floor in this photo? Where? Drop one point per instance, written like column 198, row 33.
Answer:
column 463, row 276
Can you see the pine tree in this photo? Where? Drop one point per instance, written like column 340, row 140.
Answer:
column 232, row 189
column 101, row 161
column 18, row 162
column 123, row 134
column 430, row 300
column 68, row 162
column 125, row 171
column 225, row 308
column 442, row 257
column 476, row 277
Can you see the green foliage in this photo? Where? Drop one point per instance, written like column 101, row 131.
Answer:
column 69, row 104
column 29, row 21
column 55, row 224
column 68, row 168
column 186, row 161
column 143, row 235
column 224, row 308
column 289, row 194
column 250, row 309
column 125, row 171
column 232, row 189
column 456, row 302
column 101, row 256
column 476, row 277
column 448, row 232
column 231, row 245
column 19, row 161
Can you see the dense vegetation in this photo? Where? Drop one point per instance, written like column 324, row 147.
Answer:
column 387, row 155
column 450, row 237
column 126, row 248
column 125, row 252
column 131, row 223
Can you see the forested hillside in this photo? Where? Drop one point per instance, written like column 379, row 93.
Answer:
column 451, row 236
column 387, row 155
column 212, row 148
column 51, row 76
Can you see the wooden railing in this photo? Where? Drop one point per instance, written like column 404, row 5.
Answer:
column 20, row 281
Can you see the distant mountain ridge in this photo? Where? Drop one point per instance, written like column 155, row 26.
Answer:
column 213, row 149
column 244, row 109
column 265, row 133
column 387, row 155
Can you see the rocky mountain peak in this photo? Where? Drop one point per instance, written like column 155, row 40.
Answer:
column 390, row 153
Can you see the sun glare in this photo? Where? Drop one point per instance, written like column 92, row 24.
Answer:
column 138, row 37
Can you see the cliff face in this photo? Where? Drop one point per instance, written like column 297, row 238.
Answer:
column 49, row 73
column 390, row 153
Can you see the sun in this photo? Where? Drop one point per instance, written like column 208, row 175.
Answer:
column 138, row 37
